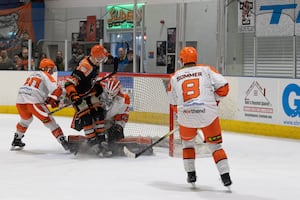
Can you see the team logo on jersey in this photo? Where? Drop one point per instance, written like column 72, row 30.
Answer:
column 192, row 111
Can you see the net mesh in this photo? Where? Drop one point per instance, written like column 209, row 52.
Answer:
column 150, row 112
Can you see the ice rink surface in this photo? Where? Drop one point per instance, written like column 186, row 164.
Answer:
column 262, row 168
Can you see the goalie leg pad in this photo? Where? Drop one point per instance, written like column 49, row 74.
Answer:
column 77, row 143
column 137, row 144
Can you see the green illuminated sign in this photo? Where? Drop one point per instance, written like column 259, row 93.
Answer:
column 121, row 16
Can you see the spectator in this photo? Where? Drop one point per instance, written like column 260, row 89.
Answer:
column 6, row 63
column 76, row 58
column 25, row 62
column 24, row 40
column 41, row 57
column 59, row 61
column 17, row 61
column 122, row 60
column 129, row 67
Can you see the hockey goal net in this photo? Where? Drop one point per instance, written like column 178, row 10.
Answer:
column 150, row 113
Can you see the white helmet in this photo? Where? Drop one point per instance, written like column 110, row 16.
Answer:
column 112, row 87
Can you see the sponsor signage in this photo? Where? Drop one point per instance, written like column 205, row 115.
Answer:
column 278, row 18
column 122, row 16
column 271, row 101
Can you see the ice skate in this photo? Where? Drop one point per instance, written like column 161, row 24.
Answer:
column 17, row 143
column 64, row 143
column 226, row 181
column 191, row 178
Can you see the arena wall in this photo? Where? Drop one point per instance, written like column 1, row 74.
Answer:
column 263, row 106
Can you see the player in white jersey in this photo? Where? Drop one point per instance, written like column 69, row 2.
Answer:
column 39, row 89
column 195, row 89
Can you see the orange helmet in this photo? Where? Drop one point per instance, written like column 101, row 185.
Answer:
column 99, row 53
column 188, row 55
column 48, row 65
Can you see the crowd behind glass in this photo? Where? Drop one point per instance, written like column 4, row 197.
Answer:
column 18, row 59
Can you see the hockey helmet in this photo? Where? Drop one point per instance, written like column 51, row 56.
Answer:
column 99, row 53
column 47, row 65
column 188, row 55
column 112, row 87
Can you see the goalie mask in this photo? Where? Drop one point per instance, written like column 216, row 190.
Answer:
column 188, row 55
column 98, row 54
column 47, row 65
column 112, row 87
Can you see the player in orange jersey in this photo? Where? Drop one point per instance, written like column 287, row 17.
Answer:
column 195, row 90
column 116, row 104
column 39, row 89
column 83, row 90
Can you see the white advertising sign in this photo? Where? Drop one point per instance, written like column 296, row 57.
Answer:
column 258, row 100
column 271, row 101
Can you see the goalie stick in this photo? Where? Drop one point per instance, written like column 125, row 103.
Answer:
column 87, row 94
column 128, row 153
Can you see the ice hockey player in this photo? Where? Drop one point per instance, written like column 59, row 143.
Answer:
column 195, row 89
column 83, row 90
column 39, row 89
column 116, row 104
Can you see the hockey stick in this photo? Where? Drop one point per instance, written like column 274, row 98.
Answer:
column 60, row 108
column 128, row 153
column 69, row 104
column 87, row 94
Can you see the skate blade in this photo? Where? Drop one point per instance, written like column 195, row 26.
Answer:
column 193, row 185
column 16, row 148
column 228, row 189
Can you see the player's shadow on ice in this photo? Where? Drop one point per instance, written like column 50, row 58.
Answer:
column 205, row 191
column 185, row 187
column 40, row 152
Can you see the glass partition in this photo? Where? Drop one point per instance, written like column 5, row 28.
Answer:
column 260, row 41
column 160, row 31
column 240, row 38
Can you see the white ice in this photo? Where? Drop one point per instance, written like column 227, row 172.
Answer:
column 262, row 168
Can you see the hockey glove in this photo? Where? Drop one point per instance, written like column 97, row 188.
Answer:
column 52, row 101
column 75, row 98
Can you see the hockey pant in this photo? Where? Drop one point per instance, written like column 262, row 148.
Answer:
column 27, row 111
column 213, row 137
